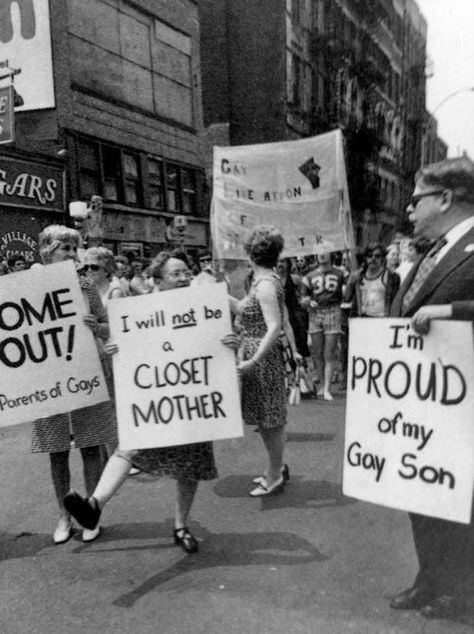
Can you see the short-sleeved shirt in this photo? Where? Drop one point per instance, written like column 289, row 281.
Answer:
column 324, row 287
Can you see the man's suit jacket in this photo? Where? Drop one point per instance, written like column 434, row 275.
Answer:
column 451, row 280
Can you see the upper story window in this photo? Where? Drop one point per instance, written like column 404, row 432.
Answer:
column 132, row 178
column 155, row 183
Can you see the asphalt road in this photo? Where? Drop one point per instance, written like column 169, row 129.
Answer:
column 307, row 561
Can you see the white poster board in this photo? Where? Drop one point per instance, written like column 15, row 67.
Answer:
column 25, row 44
column 48, row 357
column 409, row 421
column 300, row 187
column 175, row 382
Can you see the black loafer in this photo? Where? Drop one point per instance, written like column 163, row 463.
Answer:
column 85, row 510
column 183, row 538
column 411, row 599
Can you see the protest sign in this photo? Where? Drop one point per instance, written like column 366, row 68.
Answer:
column 299, row 187
column 409, row 432
column 175, row 382
column 48, row 357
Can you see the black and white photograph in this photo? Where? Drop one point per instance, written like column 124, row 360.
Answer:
column 237, row 316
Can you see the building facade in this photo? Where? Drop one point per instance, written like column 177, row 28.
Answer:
column 286, row 69
column 126, row 119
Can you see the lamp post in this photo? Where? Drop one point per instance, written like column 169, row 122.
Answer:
column 450, row 96
column 441, row 103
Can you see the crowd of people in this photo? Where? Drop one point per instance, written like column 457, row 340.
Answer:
column 309, row 300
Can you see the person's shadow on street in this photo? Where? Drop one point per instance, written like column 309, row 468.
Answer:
column 217, row 550
column 298, row 493
column 23, row 544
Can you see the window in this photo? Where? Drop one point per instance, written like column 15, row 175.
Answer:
column 89, row 170
column 188, row 184
column 172, row 187
column 112, row 173
column 297, row 83
column 131, row 173
column 132, row 178
column 155, row 183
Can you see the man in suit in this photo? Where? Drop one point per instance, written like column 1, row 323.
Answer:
column 441, row 283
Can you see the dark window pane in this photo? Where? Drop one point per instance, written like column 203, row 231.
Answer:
column 172, row 200
column 189, row 203
column 156, row 197
column 188, row 180
column 131, row 192
column 130, row 166
column 110, row 189
column 88, row 155
column 89, row 184
column 154, row 170
column 171, row 176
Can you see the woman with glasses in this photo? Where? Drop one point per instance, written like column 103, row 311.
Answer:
column 371, row 289
column 187, row 464
column 99, row 266
column 88, row 427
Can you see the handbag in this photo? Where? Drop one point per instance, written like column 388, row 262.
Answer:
column 305, row 382
column 294, row 396
column 287, row 354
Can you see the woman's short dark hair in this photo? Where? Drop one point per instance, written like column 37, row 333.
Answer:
column 264, row 246
column 158, row 262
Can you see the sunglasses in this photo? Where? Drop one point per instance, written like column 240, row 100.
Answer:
column 91, row 267
column 205, row 259
column 415, row 199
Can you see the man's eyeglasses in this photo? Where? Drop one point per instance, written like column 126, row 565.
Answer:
column 91, row 267
column 374, row 256
column 415, row 199
column 203, row 260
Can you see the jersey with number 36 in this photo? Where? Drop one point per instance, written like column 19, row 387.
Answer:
column 324, row 287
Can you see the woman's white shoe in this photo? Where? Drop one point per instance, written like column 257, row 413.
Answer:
column 63, row 530
column 89, row 535
column 264, row 489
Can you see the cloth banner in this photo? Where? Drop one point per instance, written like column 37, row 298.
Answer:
column 48, row 357
column 175, row 382
column 300, row 187
column 409, row 432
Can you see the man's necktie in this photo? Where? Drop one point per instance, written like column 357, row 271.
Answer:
column 427, row 265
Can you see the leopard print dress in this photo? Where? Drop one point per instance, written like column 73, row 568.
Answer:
column 263, row 386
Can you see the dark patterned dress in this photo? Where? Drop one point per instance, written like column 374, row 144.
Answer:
column 88, row 426
column 190, row 462
column 263, row 386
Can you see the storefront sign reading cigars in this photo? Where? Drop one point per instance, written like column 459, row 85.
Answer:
column 31, row 184
column 409, row 431
column 48, row 358
column 175, row 382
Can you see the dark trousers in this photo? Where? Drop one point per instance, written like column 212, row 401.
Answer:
column 445, row 555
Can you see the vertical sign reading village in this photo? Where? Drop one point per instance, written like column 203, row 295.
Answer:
column 175, row 382
column 298, row 186
column 48, row 358
column 25, row 45
column 409, row 432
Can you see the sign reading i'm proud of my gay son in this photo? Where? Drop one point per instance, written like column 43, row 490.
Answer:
column 409, row 432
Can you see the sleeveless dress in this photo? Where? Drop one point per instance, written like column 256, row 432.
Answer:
column 263, row 386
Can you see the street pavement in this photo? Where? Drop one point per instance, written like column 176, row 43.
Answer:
column 307, row 561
